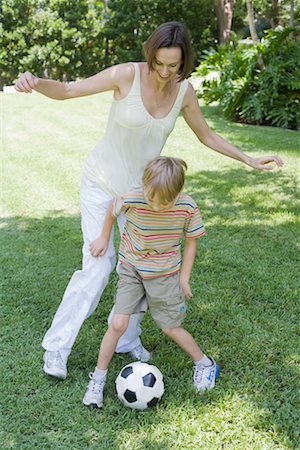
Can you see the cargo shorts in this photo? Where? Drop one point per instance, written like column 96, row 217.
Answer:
column 164, row 296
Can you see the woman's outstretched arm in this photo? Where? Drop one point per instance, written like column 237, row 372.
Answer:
column 195, row 120
column 115, row 78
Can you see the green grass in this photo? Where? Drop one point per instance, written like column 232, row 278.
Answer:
column 245, row 309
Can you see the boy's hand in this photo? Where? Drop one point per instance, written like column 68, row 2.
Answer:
column 185, row 286
column 99, row 246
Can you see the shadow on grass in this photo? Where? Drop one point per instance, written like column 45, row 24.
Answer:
column 244, row 313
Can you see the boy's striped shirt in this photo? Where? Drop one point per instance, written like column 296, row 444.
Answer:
column 151, row 241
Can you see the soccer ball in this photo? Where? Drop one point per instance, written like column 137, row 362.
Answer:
column 140, row 385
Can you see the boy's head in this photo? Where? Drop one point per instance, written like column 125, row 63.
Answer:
column 163, row 180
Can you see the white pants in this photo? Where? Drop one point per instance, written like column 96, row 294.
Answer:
column 86, row 286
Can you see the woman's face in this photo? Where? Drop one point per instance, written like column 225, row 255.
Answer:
column 166, row 63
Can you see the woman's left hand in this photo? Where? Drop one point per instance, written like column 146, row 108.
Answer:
column 262, row 163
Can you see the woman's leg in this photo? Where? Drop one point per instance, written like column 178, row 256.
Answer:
column 86, row 285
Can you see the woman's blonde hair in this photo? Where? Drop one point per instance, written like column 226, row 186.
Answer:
column 164, row 178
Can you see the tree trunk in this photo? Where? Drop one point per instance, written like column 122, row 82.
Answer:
column 253, row 33
column 106, row 57
column 251, row 22
column 224, row 13
column 292, row 13
column 275, row 14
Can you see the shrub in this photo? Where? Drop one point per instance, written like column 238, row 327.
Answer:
column 268, row 95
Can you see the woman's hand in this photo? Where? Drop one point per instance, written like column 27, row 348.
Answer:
column 185, row 286
column 99, row 246
column 262, row 163
column 26, row 83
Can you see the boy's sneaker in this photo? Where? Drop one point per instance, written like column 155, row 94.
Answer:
column 94, row 392
column 55, row 365
column 140, row 353
column 205, row 377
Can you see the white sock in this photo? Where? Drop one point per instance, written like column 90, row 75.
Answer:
column 205, row 362
column 99, row 374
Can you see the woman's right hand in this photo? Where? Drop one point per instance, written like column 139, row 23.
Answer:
column 26, row 82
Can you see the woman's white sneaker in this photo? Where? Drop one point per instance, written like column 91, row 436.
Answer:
column 55, row 364
column 140, row 353
column 94, row 392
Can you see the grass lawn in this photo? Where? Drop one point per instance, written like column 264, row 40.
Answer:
column 245, row 309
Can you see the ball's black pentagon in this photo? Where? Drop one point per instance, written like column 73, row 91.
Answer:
column 130, row 396
column 126, row 372
column 153, row 402
column 149, row 380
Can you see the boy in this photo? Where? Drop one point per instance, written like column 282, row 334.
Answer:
column 151, row 264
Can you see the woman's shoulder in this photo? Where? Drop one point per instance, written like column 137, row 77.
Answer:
column 123, row 76
column 124, row 70
column 190, row 97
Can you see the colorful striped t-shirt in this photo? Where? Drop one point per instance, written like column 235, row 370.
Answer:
column 151, row 240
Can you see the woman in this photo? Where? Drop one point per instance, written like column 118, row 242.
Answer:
column 148, row 98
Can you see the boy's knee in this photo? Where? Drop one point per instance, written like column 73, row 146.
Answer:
column 119, row 324
column 168, row 331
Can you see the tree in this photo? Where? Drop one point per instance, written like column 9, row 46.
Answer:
column 224, row 12
column 251, row 21
column 253, row 32
column 132, row 21
column 56, row 38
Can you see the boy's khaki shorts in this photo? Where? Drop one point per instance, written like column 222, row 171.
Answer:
column 164, row 296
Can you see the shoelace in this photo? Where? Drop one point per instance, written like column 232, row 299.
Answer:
column 96, row 386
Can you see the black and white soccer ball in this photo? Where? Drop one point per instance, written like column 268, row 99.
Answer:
column 140, row 385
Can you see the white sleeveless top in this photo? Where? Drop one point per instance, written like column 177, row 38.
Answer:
column 132, row 138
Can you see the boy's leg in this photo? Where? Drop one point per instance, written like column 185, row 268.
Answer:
column 167, row 306
column 205, row 370
column 131, row 295
column 130, row 341
column 109, row 342
column 186, row 341
column 94, row 391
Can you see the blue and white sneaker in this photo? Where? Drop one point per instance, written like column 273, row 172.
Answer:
column 205, row 377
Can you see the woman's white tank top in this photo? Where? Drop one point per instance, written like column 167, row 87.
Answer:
column 132, row 138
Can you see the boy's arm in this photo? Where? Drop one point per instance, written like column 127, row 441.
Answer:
column 190, row 249
column 99, row 246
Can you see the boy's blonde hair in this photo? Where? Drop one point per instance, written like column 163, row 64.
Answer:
column 164, row 178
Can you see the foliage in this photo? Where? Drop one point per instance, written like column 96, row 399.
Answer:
column 56, row 38
column 131, row 22
column 64, row 39
column 72, row 39
column 270, row 96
